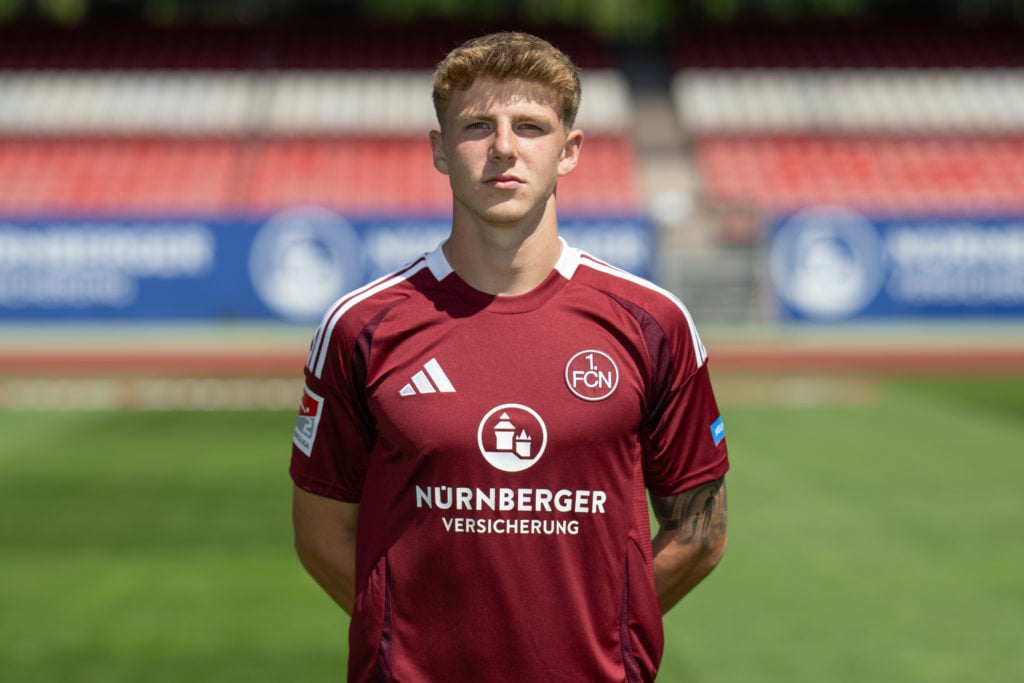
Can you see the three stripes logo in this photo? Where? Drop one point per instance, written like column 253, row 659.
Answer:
column 430, row 380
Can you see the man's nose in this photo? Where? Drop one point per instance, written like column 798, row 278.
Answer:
column 503, row 145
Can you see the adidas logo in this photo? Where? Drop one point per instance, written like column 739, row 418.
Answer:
column 430, row 380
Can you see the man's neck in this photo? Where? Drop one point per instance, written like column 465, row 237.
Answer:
column 504, row 260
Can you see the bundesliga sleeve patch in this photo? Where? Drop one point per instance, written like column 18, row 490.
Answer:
column 718, row 430
column 308, row 420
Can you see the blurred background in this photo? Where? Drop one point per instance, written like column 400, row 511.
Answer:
column 232, row 162
column 782, row 165
column 834, row 187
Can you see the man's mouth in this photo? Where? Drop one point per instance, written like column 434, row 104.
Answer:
column 504, row 181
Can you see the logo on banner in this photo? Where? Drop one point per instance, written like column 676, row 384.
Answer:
column 827, row 262
column 512, row 437
column 302, row 260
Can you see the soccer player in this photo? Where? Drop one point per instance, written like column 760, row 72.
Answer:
column 479, row 431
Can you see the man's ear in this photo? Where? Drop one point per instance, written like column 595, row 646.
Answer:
column 437, row 148
column 570, row 152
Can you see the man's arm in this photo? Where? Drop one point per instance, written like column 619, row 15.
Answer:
column 690, row 540
column 325, row 540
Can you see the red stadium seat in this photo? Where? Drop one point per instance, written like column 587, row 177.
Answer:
column 978, row 175
column 188, row 176
column 235, row 166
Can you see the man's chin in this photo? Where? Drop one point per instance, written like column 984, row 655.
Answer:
column 504, row 218
column 511, row 213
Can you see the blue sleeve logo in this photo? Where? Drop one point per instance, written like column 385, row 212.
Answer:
column 718, row 430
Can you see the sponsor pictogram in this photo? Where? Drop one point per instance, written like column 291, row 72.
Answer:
column 512, row 437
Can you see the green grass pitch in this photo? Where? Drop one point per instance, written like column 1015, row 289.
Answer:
column 872, row 541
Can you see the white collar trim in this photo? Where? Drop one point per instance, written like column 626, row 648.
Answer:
column 566, row 265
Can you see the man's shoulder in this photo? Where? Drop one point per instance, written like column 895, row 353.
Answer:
column 629, row 289
column 654, row 308
column 349, row 316
column 365, row 303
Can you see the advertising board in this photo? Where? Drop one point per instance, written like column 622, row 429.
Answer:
column 288, row 266
column 833, row 263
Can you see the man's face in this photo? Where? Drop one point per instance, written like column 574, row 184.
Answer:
column 503, row 147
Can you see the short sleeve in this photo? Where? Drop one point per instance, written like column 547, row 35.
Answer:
column 684, row 435
column 332, row 440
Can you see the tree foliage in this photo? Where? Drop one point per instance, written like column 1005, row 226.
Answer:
column 610, row 18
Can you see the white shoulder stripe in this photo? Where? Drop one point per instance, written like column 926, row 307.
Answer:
column 698, row 346
column 319, row 338
column 318, row 352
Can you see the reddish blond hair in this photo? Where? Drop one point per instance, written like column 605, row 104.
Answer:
column 505, row 56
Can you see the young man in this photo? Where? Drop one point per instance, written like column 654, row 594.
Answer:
column 477, row 430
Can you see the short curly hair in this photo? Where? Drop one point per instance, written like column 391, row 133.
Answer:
column 505, row 56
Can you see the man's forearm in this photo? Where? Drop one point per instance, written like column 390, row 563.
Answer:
column 334, row 573
column 691, row 539
column 325, row 540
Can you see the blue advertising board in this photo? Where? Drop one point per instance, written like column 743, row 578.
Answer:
column 833, row 263
column 289, row 266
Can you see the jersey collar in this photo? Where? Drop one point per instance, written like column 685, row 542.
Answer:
column 563, row 271
column 566, row 266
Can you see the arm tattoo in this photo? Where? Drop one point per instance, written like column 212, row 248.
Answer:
column 695, row 515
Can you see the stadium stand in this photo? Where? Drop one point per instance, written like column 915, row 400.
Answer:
column 896, row 118
column 886, row 174
column 112, row 120
column 917, row 119
column 147, row 121
column 365, row 175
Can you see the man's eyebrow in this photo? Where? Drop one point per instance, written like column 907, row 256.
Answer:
column 516, row 118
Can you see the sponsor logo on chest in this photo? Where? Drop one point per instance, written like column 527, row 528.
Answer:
column 512, row 438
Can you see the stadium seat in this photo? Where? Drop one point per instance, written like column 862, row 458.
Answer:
column 897, row 118
column 149, row 120
column 238, row 175
column 908, row 174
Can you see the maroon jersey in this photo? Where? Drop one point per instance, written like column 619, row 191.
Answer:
column 499, row 449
